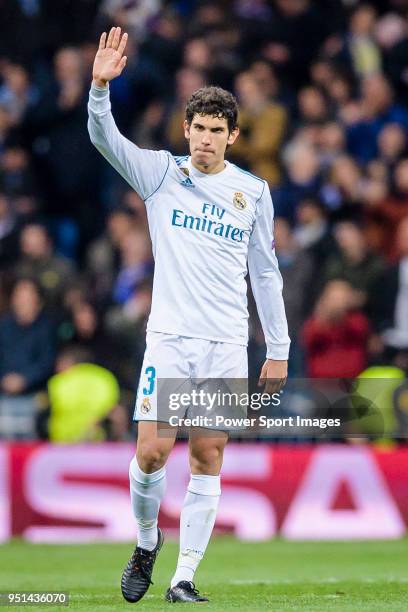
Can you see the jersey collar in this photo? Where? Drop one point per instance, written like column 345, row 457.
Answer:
column 194, row 173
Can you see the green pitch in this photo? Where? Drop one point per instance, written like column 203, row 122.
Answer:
column 276, row 576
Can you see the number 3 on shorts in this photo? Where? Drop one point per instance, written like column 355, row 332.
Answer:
column 151, row 375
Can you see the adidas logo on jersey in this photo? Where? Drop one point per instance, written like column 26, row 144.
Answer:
column 187, row 182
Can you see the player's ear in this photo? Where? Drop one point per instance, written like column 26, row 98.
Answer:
column 186, row 126
column 233, row 136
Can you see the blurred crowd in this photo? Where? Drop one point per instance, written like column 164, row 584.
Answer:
column 323, row 89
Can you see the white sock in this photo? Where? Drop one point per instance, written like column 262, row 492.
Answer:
column 146, row 493
column 196, row 524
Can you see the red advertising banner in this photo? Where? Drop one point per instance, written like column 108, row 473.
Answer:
column 80, row 493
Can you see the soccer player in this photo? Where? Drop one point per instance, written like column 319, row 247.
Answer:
column 208, row 219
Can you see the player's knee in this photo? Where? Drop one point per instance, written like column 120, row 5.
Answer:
column 206, row 460
column 150, row 458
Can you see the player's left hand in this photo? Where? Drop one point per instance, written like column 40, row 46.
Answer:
column 273, row 375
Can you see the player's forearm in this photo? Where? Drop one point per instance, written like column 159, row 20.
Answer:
column 143, row 169
column 266, row 281
column 104, row 133
column 267, row 290
column 99, row 109
column 267, row 284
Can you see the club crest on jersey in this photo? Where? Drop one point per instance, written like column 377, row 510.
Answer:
column 146, row 406
column 239, row 200
column 185, row 171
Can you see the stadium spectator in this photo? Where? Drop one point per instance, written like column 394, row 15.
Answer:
column 27, row 353
column 354, row 263
column 135, row 265
column 312, row 106
column 294, row 22
column 390, row 29
column 392, row 301
column 197, row 55
column 54, row 274
column 360, row 49
column 343, row 190
column 312, row 233
column 303, row 179
column 88, row 334
column 103, row 256
column 164, row 43
column 296, row 266
column 376, row 109
column 266, row 79
column 392, row 144
column 337, row 334
column 297, row 269
column 148, row 132
column 188, row 80
column 133, row 203
column 396, row 61
column 262, row 126
column 341, row 90
column 330, row 143
column 127, row 324
column 28, row 328
column 23, row 31
column 133, row 16
column 63, row 154
column 312, row 230
column 81, row 396
column 388, row 211
column 16, row 93
column 16, row 174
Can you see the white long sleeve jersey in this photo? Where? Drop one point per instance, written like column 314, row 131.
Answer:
column 204, row 228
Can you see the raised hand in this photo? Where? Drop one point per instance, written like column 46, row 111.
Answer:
column 109, row 60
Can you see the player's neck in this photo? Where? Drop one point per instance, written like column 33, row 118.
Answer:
column 209, row 168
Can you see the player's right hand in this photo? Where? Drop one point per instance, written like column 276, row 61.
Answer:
column 109, row 60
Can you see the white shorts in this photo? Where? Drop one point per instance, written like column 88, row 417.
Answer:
column 182, row 362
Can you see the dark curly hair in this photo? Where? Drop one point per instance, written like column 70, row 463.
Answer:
column 213, row 101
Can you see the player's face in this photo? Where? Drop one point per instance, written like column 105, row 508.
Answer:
column 208, row 137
